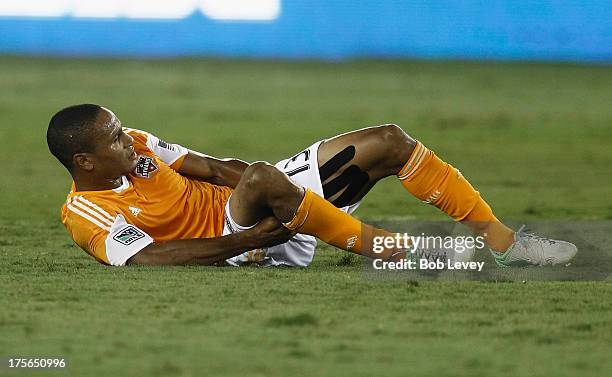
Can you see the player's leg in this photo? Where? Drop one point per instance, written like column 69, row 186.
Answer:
column 264, row 190
column 350, row 165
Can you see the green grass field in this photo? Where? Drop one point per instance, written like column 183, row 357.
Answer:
column 534, row 139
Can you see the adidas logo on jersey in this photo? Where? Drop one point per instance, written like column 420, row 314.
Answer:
column 350, row 242
column 135, row 211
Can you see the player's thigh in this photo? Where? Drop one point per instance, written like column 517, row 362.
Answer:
column 379, row 151
column 350, row 164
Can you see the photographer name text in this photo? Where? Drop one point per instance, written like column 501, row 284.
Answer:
column 423, row 264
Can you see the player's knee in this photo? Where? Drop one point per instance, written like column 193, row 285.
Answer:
column 395, row 143
column 259, row 175
column 269, row 185
column 392, row 135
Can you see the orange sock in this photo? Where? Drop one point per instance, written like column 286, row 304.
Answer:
column 318, row 217
column 436, row 182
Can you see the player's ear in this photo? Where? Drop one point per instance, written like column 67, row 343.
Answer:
column 83, row 161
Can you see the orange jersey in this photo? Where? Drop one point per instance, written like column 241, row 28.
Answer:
column 154, row 204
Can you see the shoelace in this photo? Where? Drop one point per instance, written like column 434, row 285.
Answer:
column 523, row 237
column 521, row 234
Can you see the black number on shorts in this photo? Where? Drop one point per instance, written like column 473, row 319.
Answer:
column 300, row 169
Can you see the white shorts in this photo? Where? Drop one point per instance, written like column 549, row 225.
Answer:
column 303, row 170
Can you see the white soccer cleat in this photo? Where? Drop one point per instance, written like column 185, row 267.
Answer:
column 531, row 250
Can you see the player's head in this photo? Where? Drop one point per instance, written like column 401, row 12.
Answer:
column 89, row 138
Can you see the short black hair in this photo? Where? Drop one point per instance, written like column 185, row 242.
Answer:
column 70, row 132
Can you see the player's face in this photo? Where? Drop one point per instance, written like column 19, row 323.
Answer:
column 115, row 155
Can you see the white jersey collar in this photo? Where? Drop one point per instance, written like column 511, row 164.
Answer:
column 124, row 185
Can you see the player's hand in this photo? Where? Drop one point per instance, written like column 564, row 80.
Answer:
column 270, row 232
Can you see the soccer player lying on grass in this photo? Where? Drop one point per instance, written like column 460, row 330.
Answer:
column 136, row 199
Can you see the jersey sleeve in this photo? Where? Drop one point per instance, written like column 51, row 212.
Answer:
column 172, row 154
column 110, row 240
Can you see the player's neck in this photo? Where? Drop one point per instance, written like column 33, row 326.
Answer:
column 88, row 184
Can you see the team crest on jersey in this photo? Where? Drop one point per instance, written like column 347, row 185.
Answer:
column 145, row 167
column 128, row 235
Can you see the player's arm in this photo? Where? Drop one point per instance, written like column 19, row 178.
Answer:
column 222, row 172
column 209, row 251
